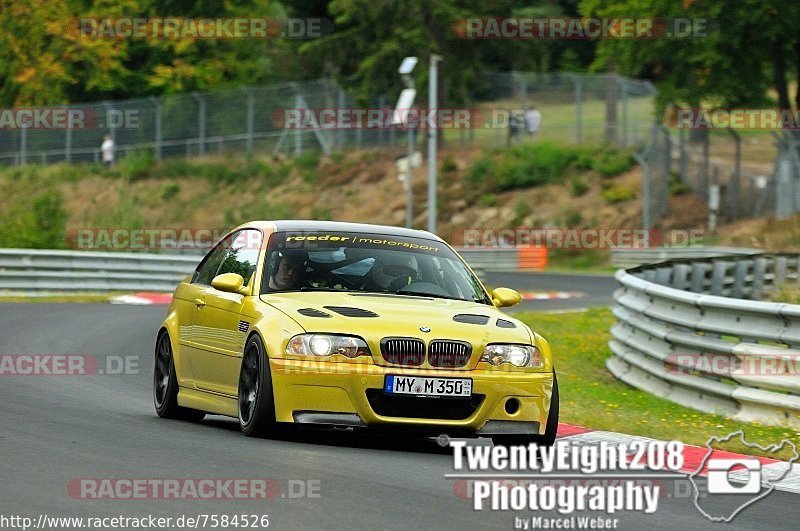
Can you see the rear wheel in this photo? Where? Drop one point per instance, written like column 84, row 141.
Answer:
column 256, row 403
column 165, row 384
column 549, row 437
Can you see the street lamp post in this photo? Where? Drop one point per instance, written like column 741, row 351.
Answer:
column 404, row 106
column 432, row 133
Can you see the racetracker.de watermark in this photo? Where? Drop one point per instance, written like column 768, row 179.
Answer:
column 557, row 238
column 180, row 28
column 192, row 488
column 571, row 28
column 66, row 365
column 62, row 118
column 769, row 365
column 149, row 239
column 767, row 119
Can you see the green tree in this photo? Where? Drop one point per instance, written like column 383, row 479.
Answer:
column 746, row 54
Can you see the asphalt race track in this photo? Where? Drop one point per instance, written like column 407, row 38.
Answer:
column 594, row 290
column 54, row 429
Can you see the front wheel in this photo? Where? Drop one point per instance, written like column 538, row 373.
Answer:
column 165, row 384
column 549, row 437
column 256, row 403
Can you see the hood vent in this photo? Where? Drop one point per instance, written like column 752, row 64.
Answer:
column 349, row 311
column 471, row 318
column 390, row 296
column 502, row 323
column 312, row 312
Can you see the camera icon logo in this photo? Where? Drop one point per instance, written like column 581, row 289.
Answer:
column 719, row 476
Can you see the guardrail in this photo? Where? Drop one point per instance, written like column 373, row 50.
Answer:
column 696, row 332
column 653, row 255
column 89, row 271
column 34, row 270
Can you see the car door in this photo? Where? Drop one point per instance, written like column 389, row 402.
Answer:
column 188, row 301
column 219, row 327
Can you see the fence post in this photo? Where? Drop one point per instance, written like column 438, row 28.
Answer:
column 682, row 144
column 340, row 130
column 251, row 115
column 578, row 100
column 612, row 89
column 158, row 139
column 23, row 145
column 624, row 94
column 298, row 133
column 706, row 162
column 201, row 122
column 734, row 188
column 68, row 144
column 645, row 190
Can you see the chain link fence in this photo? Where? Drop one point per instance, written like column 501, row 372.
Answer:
column 575, row 108
column 737, row 174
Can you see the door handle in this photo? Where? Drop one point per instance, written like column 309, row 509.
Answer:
column 199, row 303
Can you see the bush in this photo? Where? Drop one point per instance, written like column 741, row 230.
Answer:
column 259, row 169
column 488, row 200
column 219, row 173
column 448, row 165
column 585, row 160
column 534, row 165
column 39, row 226
column 170, row 191
column 578, row 186
column 618, row 193
column 337, row 156
column 307, row 161
column 677, row 186
column 611, row 163
column 479, row 170
column 573, row 219
column 174, row 168
column 136, row 165
column 521, row 210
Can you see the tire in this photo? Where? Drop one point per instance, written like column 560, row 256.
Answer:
column 549, row 437
column 165, row 384
column 256, row 404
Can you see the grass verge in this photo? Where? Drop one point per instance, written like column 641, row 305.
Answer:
column 592, row 397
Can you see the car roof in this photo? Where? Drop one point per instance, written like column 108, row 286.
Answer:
column 305, row 225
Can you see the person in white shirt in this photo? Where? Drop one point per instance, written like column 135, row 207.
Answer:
column 107, row 149
column 533, row 119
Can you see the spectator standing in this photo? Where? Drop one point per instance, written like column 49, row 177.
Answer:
column 107, row 150
column 533, row 119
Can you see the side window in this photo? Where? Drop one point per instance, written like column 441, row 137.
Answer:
column 208, row 268
column 242, row 256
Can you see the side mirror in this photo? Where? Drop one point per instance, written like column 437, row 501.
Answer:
column 503, row 297
column 229, row 283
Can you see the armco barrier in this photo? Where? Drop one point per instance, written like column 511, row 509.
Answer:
column 696, row 332
column 86, row 271
column 651, row 255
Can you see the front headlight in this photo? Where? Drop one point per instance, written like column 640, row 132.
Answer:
column 517, row 355
column 327, row 345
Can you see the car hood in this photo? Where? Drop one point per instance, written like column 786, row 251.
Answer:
column 375, row 316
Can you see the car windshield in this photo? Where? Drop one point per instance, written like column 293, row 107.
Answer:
column 370, row 263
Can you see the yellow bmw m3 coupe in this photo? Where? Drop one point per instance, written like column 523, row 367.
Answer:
column 351, row 325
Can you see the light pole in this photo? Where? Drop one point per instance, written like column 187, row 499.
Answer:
column 404, row 115
column 432, row 133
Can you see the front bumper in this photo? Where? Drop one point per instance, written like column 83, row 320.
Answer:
column 349, row 394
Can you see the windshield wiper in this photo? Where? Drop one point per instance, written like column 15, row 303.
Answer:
column 433, row 295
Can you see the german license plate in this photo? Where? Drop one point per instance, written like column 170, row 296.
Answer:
column 425, row 386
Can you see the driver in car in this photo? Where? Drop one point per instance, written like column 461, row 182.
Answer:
column 391, row 272
column 288, row 270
